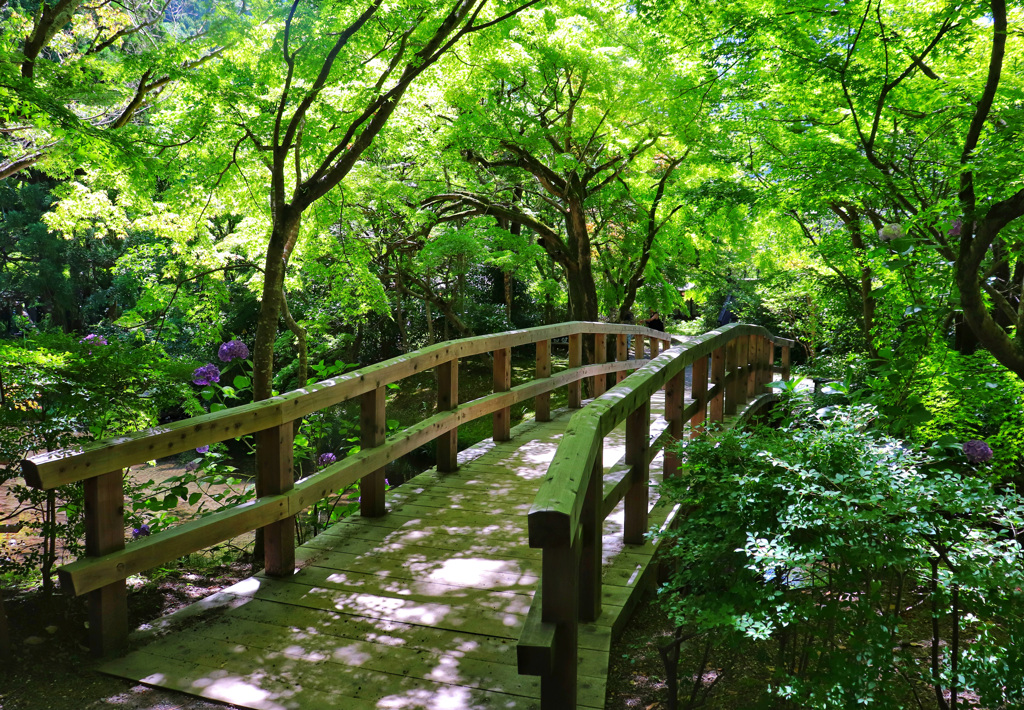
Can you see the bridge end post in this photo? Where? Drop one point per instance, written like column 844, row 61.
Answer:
column 559, row 606
column 275, row 462
column 104, row 533
column 448, row 399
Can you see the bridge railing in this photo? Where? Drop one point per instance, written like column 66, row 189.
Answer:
column 568, row 514
column 100, row 466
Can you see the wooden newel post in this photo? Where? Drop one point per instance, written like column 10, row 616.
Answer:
column 638, row 436
column 621, row 354
column 502, row 383
column 600, row 356
column 542, row 402
column 785, row 363
column 104, row 533
column 447, row 400
column 560, row 606
column 275, row 463
column 575, row 360
column 590, row 542
column 372, row 432
column 732, row 376
column 716, row 408
column 699, row 392
column 674, row 391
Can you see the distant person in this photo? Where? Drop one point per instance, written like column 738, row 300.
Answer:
column 655, row 322
column 726, row 316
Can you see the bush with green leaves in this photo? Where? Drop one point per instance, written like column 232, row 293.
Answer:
column 853, row 568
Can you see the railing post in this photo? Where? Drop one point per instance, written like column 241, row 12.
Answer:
column 104, row 533
column 542, row 402
column 575, row 360
column 674, row 395
column 743, row 364
column 372, row 432
column 754, row 364
column 621, row 354
column 600, row 356
column 767, row 356
column 716, row 412
column 560, row 606
column 732, row 376
column 785, row 363
column 447, row 400
column 638, row 346
column 638, row 435
column 590, row 542
column 699, row 393
column 503, row 383
column 275, row 464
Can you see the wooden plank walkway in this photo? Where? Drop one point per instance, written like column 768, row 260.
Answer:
column 420, row 608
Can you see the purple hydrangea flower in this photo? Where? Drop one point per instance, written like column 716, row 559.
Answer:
column 324, row 460
column 233, row 350
column 191, row 465
column 954, row 229
column 206, row 375
column 93, row 339
column 977, row 451
column 203, row 449
column 141, row 531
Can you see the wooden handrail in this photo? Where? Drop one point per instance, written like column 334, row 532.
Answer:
column 99, row 466
column 68, row 465
column 559, row 521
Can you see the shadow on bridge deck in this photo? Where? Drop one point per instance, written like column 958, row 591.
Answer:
column 420, row 608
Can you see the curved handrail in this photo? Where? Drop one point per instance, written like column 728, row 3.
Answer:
column 568, row 512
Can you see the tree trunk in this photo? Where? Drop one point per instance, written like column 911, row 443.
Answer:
column 286, row 226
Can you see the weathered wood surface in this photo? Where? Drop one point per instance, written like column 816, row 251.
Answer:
column 421, row 607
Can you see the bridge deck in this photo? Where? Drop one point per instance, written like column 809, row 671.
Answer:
column 421, row 608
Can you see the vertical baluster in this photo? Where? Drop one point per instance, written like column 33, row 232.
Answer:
column 638, row 346
column 575, row 360
column 716, row 411
column 767, row 350
column 600, row 356
column 732, row 376
column 104, row 533
column 699, row 393
column 785, row 363
column 542, row 402
column 638, row 434
column 447, row 400
column 590, row 541
column 560, row 606
column 674, row 396
column 372, row 432
column 275, row 465
column 621, row 354
column 743, row 368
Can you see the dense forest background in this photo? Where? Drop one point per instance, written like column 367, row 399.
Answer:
column 285, row 191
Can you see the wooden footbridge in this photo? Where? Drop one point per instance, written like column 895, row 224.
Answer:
column 496, row 580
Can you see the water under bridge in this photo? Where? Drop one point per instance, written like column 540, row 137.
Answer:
column 497, row 579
